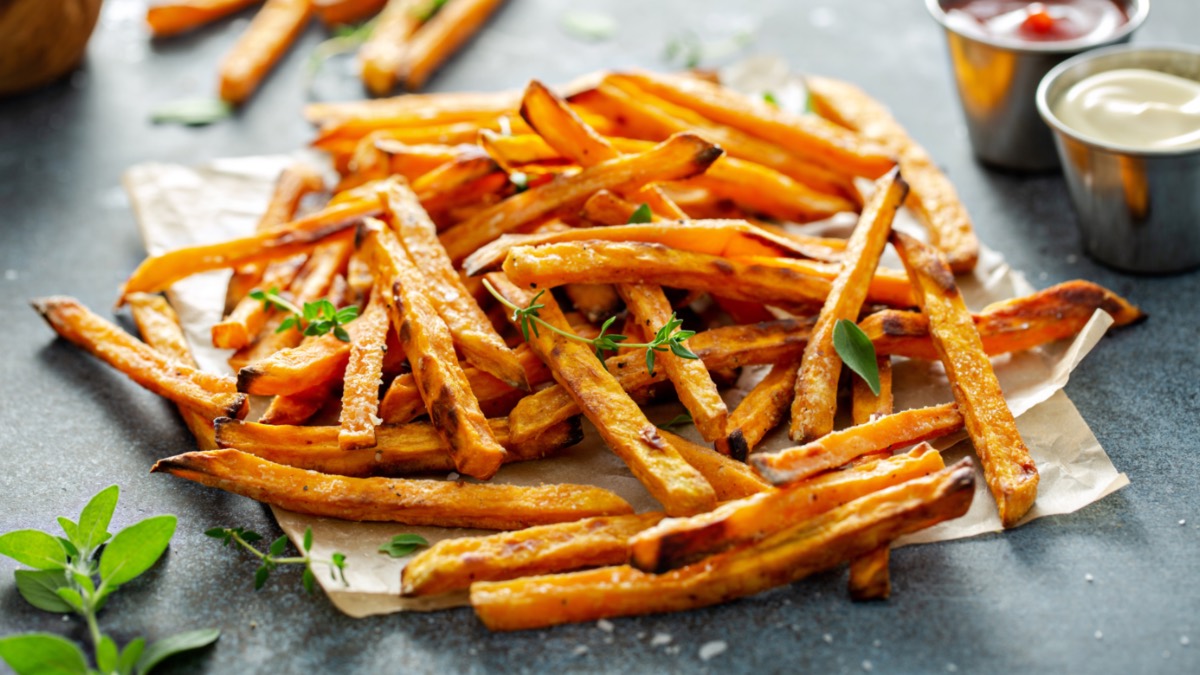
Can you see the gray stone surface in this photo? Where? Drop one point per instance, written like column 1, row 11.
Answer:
column 1013, row 603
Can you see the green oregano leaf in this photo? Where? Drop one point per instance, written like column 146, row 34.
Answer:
column 35, row 549
column 40, row 589
column 135, row 549
column 192, row 112
column 641, row 215
column 857, row 352
column 175, row 644
column 403, row 544
column 42, row 653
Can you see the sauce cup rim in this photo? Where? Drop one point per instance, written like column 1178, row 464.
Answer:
column 1137, row 11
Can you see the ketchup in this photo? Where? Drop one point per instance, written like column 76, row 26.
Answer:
column 1047, row 21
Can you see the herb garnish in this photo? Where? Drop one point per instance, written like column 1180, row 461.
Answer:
column 317, row 318
column 668, row 338
column 273, row 557
column 857, row 352
column 640, row 215
column 192, row 112
column 64, row 580
column 403, row 544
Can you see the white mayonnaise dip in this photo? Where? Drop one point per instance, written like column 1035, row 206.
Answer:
column 1136, row 108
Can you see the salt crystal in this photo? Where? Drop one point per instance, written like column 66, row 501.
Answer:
column 376, row 420
column 1181, row 520
column 1184, row 641
column 660, row 639
column 951, row 668
column 452, row 476
column 673, row 649
column 581, row 650
column 1089, row 578
column 605, row 625
column 641, row 635
column 828, row 638
column 876, row 643
column 867, row 665
column 710, row 650
column 1099, row 635
column 608, row 640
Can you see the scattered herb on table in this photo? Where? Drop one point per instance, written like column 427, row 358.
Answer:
column 192, row 112
column 403, row 544
column 72, row 574
column 857, row 351
column 668, row 338
column 588, row 26
column 274, row 557
column 689, row 51
column 317, row 318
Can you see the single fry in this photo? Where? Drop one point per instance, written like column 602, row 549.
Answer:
column 784, row 467
column 1010, row 326
column 338, row 222
column 869, row 577
column 932, row 197
column 298, row 408
column 399, row 450
column 454, row 564
column 364, row 376
column 273, row 30
column 383, row 53
column 396, row 500
column 410, row 108
column 209, row 395
column 816, row 386
column 678, row 157
column 1010, row 472
column 677, row 542
column 159, row 327
column 443, row 35
column 761, row 410
column 845, row 533
column 452, row 407
column 667, row 477
column 807, row 136
column 473, row 334
column 729, row 478
column 727, row 347
column 172, row 17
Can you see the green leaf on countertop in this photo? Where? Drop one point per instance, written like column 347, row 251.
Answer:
column 588, row 26
column 403, row 544
column 176, row 644
column 94, row 519
column 192, row 112
column 135, row 549
column 42, row 654
column 35, row 549
column 857, row 352
column 40, row 589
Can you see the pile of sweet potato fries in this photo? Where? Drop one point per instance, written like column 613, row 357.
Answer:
column 491, row 242
column 409, row 40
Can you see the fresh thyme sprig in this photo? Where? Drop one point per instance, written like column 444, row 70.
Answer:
column 668, row 338
column 274, row 556
column 317, row 318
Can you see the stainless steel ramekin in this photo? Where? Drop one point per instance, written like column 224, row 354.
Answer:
column 1139, row 210
column 997, row 80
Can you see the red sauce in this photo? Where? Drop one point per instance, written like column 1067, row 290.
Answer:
column 1048, row 21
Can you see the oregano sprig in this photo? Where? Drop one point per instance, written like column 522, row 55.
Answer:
column 72, row 574
column 274, row 557
column 670, row 337
column 316, row 318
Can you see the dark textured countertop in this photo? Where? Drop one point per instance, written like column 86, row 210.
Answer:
column 1017, row 602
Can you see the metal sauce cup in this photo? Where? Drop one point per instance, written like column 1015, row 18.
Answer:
column 997, row 80
column 1139, row 210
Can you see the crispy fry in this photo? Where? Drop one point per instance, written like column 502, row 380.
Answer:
column 396, row 500
column 629, row 102
column 602, row 208
column 156, row 273
column 767, row 191
column 273, row 30
column 816, row 386
column 402, row 449
column 933, row 197
column 693, row 385
column 731, row 346
column 209, row 395
column 289, row 371
column 294, row 182
column 729, row 478
column 677, row 542
column 725, row 238
column 654, row 462
column 784, row 467
column 430, row 349
column 847, row 532
column 869, row 577
column 172, row 17
column 364, row 376
column 473, row 334
column 383, row 53
column 1009, row 326
column 806, row 136
column 159, row 327
column 761, row 410
column 336, row 12
column 298, row 408
column 414, row 161
column 1010, row 472
column 454, row 564
column 443, row 35
column 679, row 157
column 453, row 175
column 402, row 402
